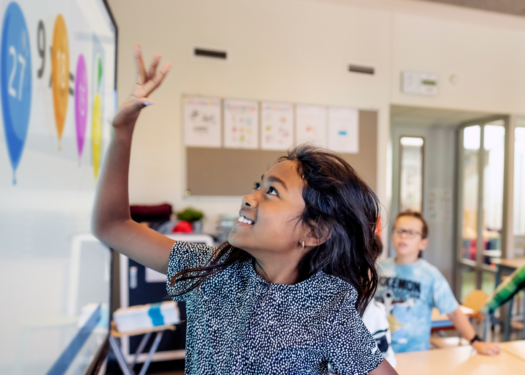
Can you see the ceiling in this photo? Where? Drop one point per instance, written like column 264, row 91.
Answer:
column 514, row 7
column 429, row 117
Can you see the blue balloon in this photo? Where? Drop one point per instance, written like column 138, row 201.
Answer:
column 15, row 81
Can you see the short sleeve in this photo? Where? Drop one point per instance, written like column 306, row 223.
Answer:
column 351, row 349
column 376, row 322
column 442, row 297
column 185, row 255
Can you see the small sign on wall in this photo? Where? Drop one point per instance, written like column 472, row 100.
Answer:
column 241, row 124
column 343, row 129
column 419, row 83
column 202, row 122
column 277, row 126
column 440, row 201
column 310, row 124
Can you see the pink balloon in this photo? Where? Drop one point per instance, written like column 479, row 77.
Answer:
column 81, row 103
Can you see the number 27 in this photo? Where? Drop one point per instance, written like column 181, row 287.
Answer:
column 22, row 61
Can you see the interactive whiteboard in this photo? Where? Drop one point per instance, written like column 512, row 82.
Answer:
column 57, row 95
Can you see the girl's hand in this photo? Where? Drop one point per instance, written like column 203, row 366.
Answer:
column 146, row 83
column 486, row 348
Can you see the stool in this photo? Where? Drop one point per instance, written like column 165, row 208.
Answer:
column 147, row 332
column 508, row 320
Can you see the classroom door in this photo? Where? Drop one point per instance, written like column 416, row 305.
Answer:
column 423, row 179
column 481, row 164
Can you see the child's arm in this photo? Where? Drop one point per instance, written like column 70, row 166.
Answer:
column 508, row 289
column 462, row 324
column 112, row 222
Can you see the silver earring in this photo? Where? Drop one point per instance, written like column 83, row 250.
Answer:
column 303, row 244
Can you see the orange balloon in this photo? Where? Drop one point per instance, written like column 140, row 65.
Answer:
column 60, row 73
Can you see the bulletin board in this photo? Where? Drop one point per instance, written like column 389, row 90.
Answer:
column 212, row 171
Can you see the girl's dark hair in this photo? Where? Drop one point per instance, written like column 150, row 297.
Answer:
column 341, row 208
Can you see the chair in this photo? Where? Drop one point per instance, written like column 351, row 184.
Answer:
column 147, row 332
column 475, row 300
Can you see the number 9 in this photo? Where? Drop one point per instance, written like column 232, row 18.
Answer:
column 41, row 44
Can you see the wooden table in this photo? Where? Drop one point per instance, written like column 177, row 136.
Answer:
column 515, row 348
column 441, row 322
column 462, row 360
column 507, row 266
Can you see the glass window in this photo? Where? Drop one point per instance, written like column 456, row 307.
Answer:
column 411, row 189
column 482, row 155
column 471, row 143
column 468, row 277
column 494, row 162
column 519, row 191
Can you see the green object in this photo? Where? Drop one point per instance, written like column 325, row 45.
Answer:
column 508, row 289
column 99, row 70
column 190, row 214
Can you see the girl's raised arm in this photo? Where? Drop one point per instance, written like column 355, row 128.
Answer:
column 112, row 222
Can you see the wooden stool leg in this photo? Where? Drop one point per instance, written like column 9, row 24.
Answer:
column 523, row 314
column 120, row 358
column 508, row 320
column 151, row 353
column 486, row 328
column 142, row 344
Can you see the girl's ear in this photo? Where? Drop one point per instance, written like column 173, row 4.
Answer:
column 316, row 236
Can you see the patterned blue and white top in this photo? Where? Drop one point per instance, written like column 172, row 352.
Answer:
column 238, row 323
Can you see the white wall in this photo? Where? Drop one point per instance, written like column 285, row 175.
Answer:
column 488, row 61
column 298, row 51
column 291, row 50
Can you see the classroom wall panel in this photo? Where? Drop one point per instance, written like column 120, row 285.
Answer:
column 299, row 51
column 232, row 172
column 284, row 51
column 480, row 67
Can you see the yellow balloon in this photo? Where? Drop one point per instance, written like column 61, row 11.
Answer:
column 96, row 134
column 60, row 73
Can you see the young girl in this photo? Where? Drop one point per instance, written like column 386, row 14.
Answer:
column 285, row 293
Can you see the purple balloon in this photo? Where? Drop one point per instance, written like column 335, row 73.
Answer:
column 81, row 103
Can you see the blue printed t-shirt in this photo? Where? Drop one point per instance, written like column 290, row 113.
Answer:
column 409, row 292
column 240, row 324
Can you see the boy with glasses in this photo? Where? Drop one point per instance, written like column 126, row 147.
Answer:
column 410, row 287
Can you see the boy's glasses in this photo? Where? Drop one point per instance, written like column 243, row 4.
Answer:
column 409, row 233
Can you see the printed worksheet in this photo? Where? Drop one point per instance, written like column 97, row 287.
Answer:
column 343, row 130
column 310, row 125
column 241, row 124
column 277, row 126
column 202, row 122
